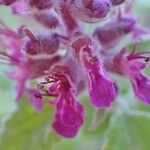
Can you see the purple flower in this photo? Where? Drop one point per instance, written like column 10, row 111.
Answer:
column 141, row 86
column 68, row 59
column 130, row 66
column 116, row 29
column 102, row 89
column 113, row 31
column 140, row 83
column 69, row 115
column 90, row 10
column 25, row 67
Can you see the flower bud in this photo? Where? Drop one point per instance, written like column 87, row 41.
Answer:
column 90, row 11
column 47, row 18
column 41, row 43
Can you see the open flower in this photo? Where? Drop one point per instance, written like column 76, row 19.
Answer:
column 102, row 90
column 66, row 59
column 69, row 113
column 25, row 67
column 131, row 66
column 119, row 27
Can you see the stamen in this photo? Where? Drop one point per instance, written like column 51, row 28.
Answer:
column 3, row 53
column 46, row 82
column 50, row 94
column 147, row 59
column 39, row 86
column 38, row 96
column 4, row 58
column 9, row 57
column 45, row 91
column 138, row 56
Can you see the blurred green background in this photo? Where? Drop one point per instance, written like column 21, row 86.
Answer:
column 124, row 126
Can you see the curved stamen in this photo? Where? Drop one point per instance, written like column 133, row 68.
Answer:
column 4, row 54
column 41, row 87
column 45, row 91
column 4, row 58
column 139, row 55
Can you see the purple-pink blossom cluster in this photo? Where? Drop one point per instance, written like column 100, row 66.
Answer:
column 69, row 60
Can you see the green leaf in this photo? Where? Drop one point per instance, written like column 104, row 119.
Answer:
column 128, row 131
column 29, row 130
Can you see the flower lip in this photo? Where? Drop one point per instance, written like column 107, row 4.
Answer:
column 64, row 130
column 69, row 116
column 141, row 86
column 102, row 89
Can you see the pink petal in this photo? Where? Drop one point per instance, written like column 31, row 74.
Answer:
column 36, row 101
column 64, row 130
column 102, row 89
column 141, row 85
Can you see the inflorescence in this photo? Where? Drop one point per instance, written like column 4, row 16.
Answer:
column 69, row 60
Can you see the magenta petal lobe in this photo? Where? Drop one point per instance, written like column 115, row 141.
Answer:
column 102, row 89
column 35, row 99
column 64, row 130
column 102, row 92
column 141, row 85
